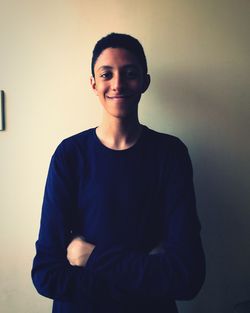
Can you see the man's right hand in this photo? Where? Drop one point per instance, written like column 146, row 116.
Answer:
column 79, row 251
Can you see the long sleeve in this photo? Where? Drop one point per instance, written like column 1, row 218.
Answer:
column 125, row 203
column 178, row 271
column 52, row 275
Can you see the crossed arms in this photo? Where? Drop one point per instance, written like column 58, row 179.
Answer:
column 66, row 270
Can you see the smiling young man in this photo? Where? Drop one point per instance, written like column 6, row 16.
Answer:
column 119, row 229
column 119, row 81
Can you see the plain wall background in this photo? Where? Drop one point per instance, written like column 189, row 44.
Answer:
column 198, row 57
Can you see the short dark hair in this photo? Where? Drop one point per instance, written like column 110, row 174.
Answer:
column 116, row 40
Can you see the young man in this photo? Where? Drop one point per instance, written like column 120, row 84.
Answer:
column 119, row 230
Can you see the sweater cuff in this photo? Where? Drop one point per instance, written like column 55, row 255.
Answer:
column 103, row 253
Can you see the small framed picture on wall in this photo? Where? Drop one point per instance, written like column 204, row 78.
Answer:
column 2, row 118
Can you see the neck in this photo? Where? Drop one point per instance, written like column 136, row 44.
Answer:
column 119, row 134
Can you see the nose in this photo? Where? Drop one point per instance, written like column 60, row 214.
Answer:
column 118, row 82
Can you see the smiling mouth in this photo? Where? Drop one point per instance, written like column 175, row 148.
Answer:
column 119, row 97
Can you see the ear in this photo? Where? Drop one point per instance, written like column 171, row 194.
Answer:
column 146, row 82
column 93, row 84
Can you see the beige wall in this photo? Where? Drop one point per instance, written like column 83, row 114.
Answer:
column 198, row 55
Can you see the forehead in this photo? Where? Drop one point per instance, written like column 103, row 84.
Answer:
column 116, row 57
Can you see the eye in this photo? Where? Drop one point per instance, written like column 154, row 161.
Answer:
column 131, row 73
column 106, row 75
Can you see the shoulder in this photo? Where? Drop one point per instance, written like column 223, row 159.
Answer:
column 171, row 152
column 164, row 142
column 77, row 140
column 167, row 149
column 72, row 151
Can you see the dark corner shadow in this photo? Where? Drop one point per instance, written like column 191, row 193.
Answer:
column 194, row 101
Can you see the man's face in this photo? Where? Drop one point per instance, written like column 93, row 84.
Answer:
column 119, row 82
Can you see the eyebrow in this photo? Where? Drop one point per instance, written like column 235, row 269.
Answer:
column 108, row 67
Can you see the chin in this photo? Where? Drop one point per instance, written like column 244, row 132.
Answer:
column 124, row 114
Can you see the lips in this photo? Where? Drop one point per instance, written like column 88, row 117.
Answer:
column 119, row 97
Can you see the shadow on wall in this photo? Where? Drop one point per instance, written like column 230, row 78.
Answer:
column 211, row 109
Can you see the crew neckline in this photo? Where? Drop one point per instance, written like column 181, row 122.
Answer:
column 102, row 146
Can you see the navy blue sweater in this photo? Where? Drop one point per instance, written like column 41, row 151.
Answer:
column 126, row 203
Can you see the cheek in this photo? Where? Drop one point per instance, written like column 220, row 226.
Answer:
column 102, row 88
column 136, row 86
